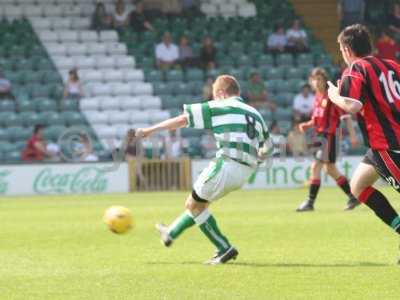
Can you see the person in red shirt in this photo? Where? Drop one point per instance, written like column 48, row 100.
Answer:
column 325, row 121
column 370, row 89
column 387, row 47
column 36, row 147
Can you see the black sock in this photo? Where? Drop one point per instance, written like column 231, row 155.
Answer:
column 343, row 183
column 376, row 201
column 313, row 191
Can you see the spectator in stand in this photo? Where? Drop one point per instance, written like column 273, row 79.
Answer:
column 303, row 104
column 186, row 58
column 278, row 140
column 121, row 16
column 208, row 145
column 167, row 53
column 296, row 38
column 100, row 19
column 84, row 149
column 37, row 149
column 257, row 94
column 138, row 19
column 171, row 7
column 351, row 12
column 5, row 87
column 208, row 89
column 394, row 22
column 190, row 7
column 296, row 141
column 174, row 145
column 208, row 53
column 73, row 88
column 386, row 47
column 277, row 41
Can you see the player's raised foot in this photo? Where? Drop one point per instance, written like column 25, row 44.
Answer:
column 352, row 203
column 221, row 258
column 305, row 206
column 166, row 240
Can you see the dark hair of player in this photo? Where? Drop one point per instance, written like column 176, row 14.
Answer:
column 37, row 128
column 358, row 38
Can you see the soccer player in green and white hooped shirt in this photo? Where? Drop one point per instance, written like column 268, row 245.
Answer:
column 241, row 136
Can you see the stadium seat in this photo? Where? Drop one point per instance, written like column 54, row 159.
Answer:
column 7, row 105
column 96, row 117
column 285, row 60
column 118, row 117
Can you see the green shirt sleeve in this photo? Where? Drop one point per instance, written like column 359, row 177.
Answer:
column 198, row 115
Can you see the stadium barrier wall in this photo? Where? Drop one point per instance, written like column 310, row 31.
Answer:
column 287, row 172
column 82, row 178
column 159, row 175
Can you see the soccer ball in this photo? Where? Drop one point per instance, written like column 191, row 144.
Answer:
column 119, row 219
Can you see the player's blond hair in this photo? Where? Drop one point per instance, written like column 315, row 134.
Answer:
column 228, row 84
column 321, row 76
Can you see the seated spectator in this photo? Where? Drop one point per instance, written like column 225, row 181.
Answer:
column 186, row 58
column 278, row 140
column 257, row 94
column 277, row 41
column 37, row 149
column 171, row 7
column 190, row 7
column 296, row 38
column 208, row 54
column 297, row 144
column 351, row 12
column 5, row 87
column 121, row 16
column 73, row 88
column 85, row 150
column 167, row 53
column 100, row 19
column 394, row 22
column 386, row 47
column 138, row 19
column 208, row 89
column 303, row 104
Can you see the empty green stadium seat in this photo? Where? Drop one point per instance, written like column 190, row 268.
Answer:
column 53, row 132
column 285, row 59
column 26, row 106
column 294, row 73
column 69, row 105
column 44, row 105
column 174, row 75
column 12, row 119
column 7, row 105
column 154, row 75
column 273, row 73
column 295, row 85
column 170, row 102
column 284, row 99
column 29, row 118
column 305, row 59
column 264, row 60
column 194, row 74
column 73, row 118
column 191, row 132
column 283, row 114
column 162, row 88
column 12, row 157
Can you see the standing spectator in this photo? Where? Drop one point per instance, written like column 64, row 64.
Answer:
column 303, row 104
column 186, row 58
column 351, row 12
column 138, row 19
column 121, row 16
column 386, row 47
column 73, row 88
column 37, row 149
column 208, row 89
column 394, row 22
column 167, row 53
column 5, row 87
column 296, row 141
column 208, row 53
column 278, row 140
column 100, row 19
column 257, row 94
column 296, row 38
column 277, row 41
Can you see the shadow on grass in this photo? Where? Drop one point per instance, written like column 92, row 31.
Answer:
column 282, row 265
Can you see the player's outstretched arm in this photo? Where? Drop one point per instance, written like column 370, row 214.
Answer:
column 170, row 124
column 347, row 104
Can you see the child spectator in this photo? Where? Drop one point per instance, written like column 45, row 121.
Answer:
column 278, row 140
column 73, row 88
column 121, row 16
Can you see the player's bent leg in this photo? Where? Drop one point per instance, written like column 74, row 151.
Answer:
column 343, row 183
column 361, row 185
column 315, row 183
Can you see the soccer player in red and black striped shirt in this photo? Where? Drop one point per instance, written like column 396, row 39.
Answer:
column 325, row 122
column 371, row 88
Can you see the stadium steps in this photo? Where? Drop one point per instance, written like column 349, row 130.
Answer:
column 322, row 17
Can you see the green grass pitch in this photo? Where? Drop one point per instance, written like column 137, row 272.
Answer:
column 57, row 247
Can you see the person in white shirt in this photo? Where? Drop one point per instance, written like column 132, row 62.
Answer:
column 303, row 104
column 121, row 16
column 73, row 88
column 297, row 38
column 277, row 41
column 167, row 53
column 279, row 141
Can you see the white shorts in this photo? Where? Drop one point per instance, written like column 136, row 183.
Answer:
column 222, row 176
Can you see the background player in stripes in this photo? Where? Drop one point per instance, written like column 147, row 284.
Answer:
column 241, row 136
column 325, row 121
column 370, row 87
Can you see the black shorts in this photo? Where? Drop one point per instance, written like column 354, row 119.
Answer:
column 326, row 148
column 386, row 164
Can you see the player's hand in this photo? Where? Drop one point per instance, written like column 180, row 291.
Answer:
column 142, row 132
column 333, row 91
column 303, row 127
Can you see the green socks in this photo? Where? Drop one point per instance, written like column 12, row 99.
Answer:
column 209, row 227
column 182, row 223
